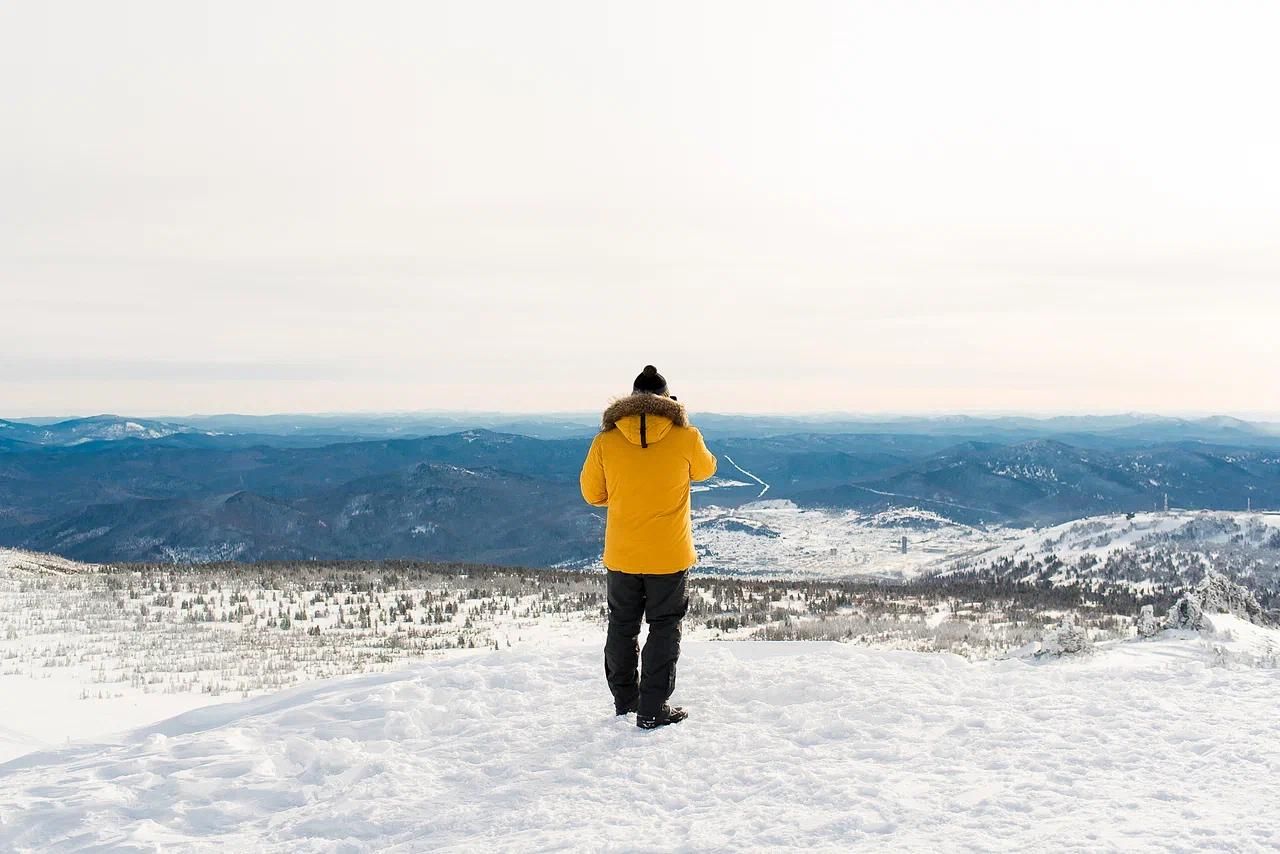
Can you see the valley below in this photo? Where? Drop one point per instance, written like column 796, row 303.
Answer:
column 791, row 495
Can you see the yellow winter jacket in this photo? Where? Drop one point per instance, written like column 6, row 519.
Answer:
column 640, row 466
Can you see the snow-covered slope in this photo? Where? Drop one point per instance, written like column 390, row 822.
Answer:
column 97, row 428
column 1101, row 535
column 791, row 746
column 775, row 538
column 16, row 561
column 1236, row 640
column 1142, row 551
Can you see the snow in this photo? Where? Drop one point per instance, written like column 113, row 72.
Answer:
column 39, row 714
column 1235, row 639
column 764, row 486
column 770, row 504
column 819, row 746
column 85, row 652
column 18, row 560
column 1102, row 535
column 716, row 483
column 775, row 538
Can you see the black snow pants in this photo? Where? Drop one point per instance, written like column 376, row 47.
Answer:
column 662, row 600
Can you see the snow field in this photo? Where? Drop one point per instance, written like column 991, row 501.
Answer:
column 820, row 543
column 1102, row 535
column 814, row 746
column 84, row 654
column 18, row 560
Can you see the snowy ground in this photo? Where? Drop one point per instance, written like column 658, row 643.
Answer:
column 1143, row 551
column 776, row 538
column 1102, row 535
column 815, row 746
column 85, row 651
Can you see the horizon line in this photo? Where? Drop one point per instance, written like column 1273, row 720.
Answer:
column 1039, row 415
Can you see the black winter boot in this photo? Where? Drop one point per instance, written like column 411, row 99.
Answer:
column 666, row 715
column 625, row 710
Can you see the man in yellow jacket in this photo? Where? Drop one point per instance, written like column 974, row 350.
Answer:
column 640, row 466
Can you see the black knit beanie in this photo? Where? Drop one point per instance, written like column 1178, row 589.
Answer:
column 650, row 381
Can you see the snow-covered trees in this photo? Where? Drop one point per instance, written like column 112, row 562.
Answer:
column 1066, row 638
column 1147, row 623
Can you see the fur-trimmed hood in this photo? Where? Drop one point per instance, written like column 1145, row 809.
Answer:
column 643, row 418
column 648, row 404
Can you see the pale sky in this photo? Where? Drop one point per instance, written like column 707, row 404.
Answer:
column 785, row 206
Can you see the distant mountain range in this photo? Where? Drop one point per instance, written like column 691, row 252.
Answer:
column 322, row 429
column 1047, row 480
column 16, row 435
column 112, row 488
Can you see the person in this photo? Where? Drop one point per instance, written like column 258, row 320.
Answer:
column 639, row 467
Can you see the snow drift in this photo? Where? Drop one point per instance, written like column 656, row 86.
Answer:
column 791, row 745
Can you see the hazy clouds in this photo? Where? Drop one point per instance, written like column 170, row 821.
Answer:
column 785, row 206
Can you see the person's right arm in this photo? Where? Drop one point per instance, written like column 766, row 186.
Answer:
column 702, row 463
column 594, row 489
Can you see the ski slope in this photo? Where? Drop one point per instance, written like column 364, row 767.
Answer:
column 1101, row 536
column 791, row 746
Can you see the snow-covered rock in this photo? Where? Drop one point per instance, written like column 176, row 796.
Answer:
column 1220, row 595
column 1216, row 594
column 1148, row 624
column 1066, row 638
column 1187, row 613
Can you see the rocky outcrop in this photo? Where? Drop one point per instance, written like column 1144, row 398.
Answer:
column 1216, row 594
column 1187, row 613
column 1220, row 595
